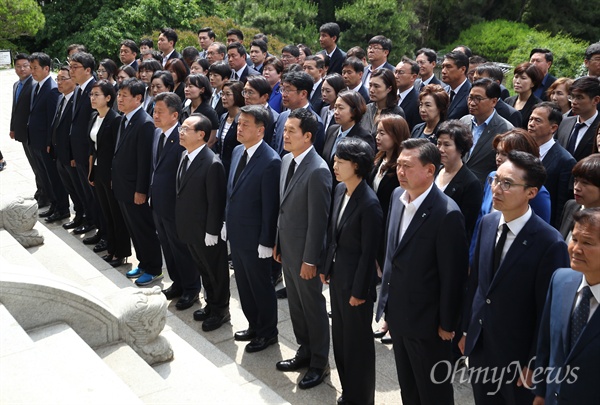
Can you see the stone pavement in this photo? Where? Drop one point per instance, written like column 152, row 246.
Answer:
column 218, row 346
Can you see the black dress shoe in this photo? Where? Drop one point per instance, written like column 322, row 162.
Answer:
column 101, row 246
column 387, row 340
column 57, row 216
column 293, row 364
column 341, row 400
column 379, row 334
column 118, row 261
column 186, row 301
column 84, row 229
column 91, row 240
column 202, row 314
column 281, row 294
column 172, row 292
column 244, row 335
column 276, row 280
column 313, row 377
column 47, row 213
column 76, row 222
column 215, row 321
column 260, row 343
column 108, row 257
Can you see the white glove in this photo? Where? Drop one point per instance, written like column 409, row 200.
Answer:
column 224, row 232
column 210, row 240
column 264, row 252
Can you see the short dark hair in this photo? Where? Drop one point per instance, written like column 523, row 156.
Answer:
column 439, row 95
column 147, row 42
column 21, row 56
column 135, row 86
column 108, row 90
column 588, row 216
column 517, row 139
column 588, row 168
column 236, row 88
column 220, row 68
column 397, row 129
column 203, row 62
column 260, row 84
column 357, row 52
column 170, row 34
column 236, row 32
column 201, row 82
column 490, row 69
column 389, row 80
column 128, row 70
column 477, row 60
column 535, row 172
column 275, row 62
column 355, row 63
column 189, row 53
column 428, row 152
column 308, row 122
column 237, row 46
column 179, row 67
column 166, row 77
column 171, row 100
column 414, row 66
column 459, row 133
column 128, row 43
column 331, row 29
column 305, row 49
column 150, row 65
column 209, row 31
column 203, row 124
column 593, row 49
column 491, row 87
column 385, row 43
column 589, row 85
column 262, row 37
column 356, row 151
column 547, row 53
column 320, row 63
column 292, row 50
column 465, row 49
column 259, row 112
column 300, row 80
column 336, row 81
column 459, row 59
column 110, row 66
column 262, row 45
column 532, row 71
column 554, row 112
column 356, row 102
column 78, row 47
column 42, row 58
column 86, row 60
column 429, row 54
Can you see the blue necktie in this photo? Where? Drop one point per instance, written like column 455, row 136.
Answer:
column 18, row 92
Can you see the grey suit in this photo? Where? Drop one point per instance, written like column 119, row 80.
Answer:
column 482, row 160
column 301, row 233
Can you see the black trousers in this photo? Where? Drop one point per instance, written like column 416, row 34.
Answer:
column 211, row 263
column 51, row 183
column 116, row 232
column 140, row 224
column 39, row 193
column 68, row 176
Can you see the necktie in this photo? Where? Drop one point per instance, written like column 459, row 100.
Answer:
column 452, row 94
column 79, row 96
column 183, row 169
column 121, row 132
column 580, row 316
column 500, row 247
column 290, row 174
column 337, row 139
column 37, row 90
column 573, row 138
column 422, row 85
column 18, row 92
column 240, row 167
column 59, row 112
column 160, row 146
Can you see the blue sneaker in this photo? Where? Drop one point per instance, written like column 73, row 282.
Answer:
column 146, row 279
column 135, row 273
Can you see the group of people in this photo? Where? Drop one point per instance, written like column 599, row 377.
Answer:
column 340, row 168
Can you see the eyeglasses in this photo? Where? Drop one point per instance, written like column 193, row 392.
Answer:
column 287, row 57
column 248, row 93
column 374, row 48
column 287, row 91
column 476, row 99
column 576, row 98
column 183, row 130
column 75, row 67
column 22, row 67
column 62, row 79
column 505, row 185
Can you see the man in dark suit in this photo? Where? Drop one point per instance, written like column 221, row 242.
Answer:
column 167, row 39
column 295, row 89
column 329, row 33
column 236, row 57
column 515, row 255
column 21, row 105
column 43, row 104
column 199, row 212
column 543, row 123
column 406, row 73
column 485, row 124
column 128, row 53
column 166, row 153
column 206, row 37
column 454, row 74
column 568, row 352
column 131, row 171
column 251, row 223
column 315, row 67
column 258, row 54
column 423, row 276
column 577, row 134
column 378, row 51
column 542, row 59
column 305, row 196
column 506, row 111
column 592, row 64
column 427, row 59
column 352, row 73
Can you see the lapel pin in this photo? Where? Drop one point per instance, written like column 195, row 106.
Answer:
column 424, row 215
column 525, row 242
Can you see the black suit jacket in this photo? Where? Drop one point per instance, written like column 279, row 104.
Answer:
column 225, row 146
column 104, row 148
column 43, row 108
column 410, row 105
column 365, row 93
column 567, row 223
column 20, row 110
column 466, row 191
column 132, row 160
column 201, row 196
column 316, row 101
column 356, row 132
column 80, row 136
column 527, row 108
column 248, row 71
column 558, row 163
column 353, row 241
column 540, row 92
column 335, row 61
column 509, row 113
column 585, row 145
column 61, row 144
column 458, row 107
column 434, row 80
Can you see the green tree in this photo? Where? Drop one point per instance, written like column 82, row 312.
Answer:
column 580, row 19
column 19, row 18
